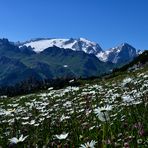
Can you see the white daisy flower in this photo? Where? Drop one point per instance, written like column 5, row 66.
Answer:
column 62, row 136
column 89, row 144
column 15, row 140
column 102, row 113
column 126, row 81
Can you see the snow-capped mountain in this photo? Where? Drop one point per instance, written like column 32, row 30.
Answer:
column 120, row 54
column 43, row 59
column 81, row 44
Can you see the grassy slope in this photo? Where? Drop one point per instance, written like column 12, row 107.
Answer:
column 41, row 115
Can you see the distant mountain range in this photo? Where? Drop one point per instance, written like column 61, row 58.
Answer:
column 43, row 59
column 120, row 54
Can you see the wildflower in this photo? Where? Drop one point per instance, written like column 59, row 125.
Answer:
column 62, row 136
column 127, row 98
column 141, row 132
column 102, row 113
column 81, row 136
column 126, row 81
column 139, row 141
column 64, row 117
column 50, row 88
column 139, row 126
column 108, row 141
column 117, row 144
column 107, row 108
column 32, row 122
column 9, row 111
column 89, row 144
column 15, row 140
column 25, row 118
column 71, row 81
column 3, row 97
column 120, row 135
column 126, row 145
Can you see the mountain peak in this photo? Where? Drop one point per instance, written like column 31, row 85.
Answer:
column 121, row 54
column 126, row 45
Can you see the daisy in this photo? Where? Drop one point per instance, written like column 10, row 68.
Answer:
column 89, row 144
column 126, row 81
column 15, row 140
column 62, row 136
column 102, row 113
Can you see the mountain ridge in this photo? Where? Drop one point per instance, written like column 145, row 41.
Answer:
column 89, row 47
column 81, row 60
column 52, row 63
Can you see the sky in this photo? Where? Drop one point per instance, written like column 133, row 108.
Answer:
column 107, row 22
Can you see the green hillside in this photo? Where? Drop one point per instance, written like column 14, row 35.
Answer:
column 100, row 113
column 79, row 64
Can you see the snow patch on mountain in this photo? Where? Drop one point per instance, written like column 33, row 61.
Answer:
column 74, row 44
column 102, row 56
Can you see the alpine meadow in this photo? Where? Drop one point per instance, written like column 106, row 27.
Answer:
column 73, row 74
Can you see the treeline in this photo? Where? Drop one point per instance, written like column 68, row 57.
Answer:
column 32, row 85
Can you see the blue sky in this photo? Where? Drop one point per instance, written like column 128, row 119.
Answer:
column 108, row 22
